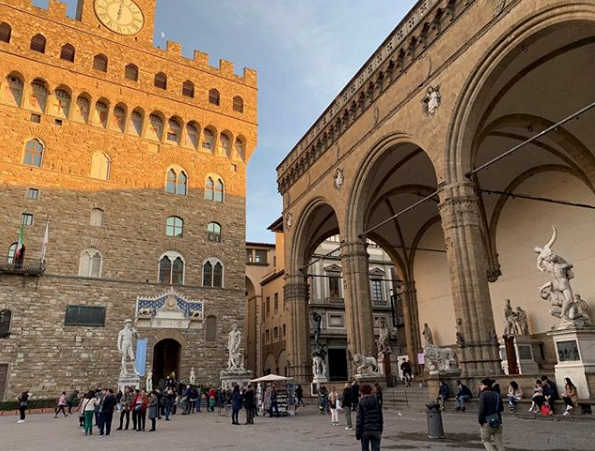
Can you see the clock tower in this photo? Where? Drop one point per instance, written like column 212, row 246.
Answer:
column 129, row 19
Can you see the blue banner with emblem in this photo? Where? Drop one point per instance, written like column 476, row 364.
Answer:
column 141, row 357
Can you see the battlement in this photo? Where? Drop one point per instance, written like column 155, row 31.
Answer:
column 57, row 12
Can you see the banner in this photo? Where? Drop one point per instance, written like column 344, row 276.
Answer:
column 141, row 357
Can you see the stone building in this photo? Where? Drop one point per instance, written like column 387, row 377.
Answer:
column 407, row 155
column 136, row 158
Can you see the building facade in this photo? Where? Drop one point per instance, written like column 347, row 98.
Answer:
column 134, row 158
column 409, row 155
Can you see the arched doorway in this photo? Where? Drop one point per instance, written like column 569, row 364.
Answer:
column 166, row 359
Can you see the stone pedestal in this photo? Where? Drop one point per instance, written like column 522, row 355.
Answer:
column 230, row 379
column 369, row 379
column 527, row 353
column 131, row 380
column 575, row 349
column 316, row 383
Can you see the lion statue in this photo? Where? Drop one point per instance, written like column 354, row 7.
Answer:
column 145, row 312
column 440, row 360
column 366, row 365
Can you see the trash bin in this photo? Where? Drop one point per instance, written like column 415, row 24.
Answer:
column 435, row 425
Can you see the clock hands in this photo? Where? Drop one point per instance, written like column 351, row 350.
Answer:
column 120, row 10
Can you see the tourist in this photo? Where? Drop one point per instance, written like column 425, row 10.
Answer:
column 463, row 395
column 323, row 400
column 168, row 400
column 107, row 412
column 369, row 422
column 125, row 403
column 496, row 387
column 89, row 407
column 62, row 402
column 538, row 399
column 346, row 403
column 199, row 399
column 236, row 405
column 354, row 395
column 490, row 417
column 194, row 398
column 333, row 399
column 550, row 392
column 23, row 402
column 99, row 394
column 443, row 394
column 249, row 404
column 119, row 397
column 299, row 394
column 274, row 403
column 570, row 396
column 81, row 412
column 378, row 392
column 187, row 401
column 140, row 408
column 134, row 409
column 515, row 394
column 153, row 411
column 407, row 372
column 72, row 400
column 212, row 400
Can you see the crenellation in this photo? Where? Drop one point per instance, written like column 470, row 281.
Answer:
column 174, row 49
column 57, row 10
column 201, row 59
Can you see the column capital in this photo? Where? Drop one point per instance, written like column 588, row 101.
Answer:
column 296, row 287
column 459, row 205
column 354, row 249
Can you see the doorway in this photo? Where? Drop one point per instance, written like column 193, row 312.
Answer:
column 337, row 365
column 166, row 359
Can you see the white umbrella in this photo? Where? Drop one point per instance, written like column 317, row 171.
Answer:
column 272, row 378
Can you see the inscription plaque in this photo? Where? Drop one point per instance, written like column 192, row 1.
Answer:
column 81, row 315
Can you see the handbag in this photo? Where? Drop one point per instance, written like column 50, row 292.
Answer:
column 494, row 421
column 546, row 410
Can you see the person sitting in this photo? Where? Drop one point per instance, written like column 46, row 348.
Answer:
column 515, row 394
column 463, row 395
column 570, row 396
column 443, row 394
column 550, row 391
column 538, row 397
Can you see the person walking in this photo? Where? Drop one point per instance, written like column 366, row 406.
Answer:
column 236, row 405
column 346, row 403
column 249, row 404
column 125, row 403
column 89, row 406
column 107, row 413
column 153, row 410
column 333, row 399
column 570, row 396
column 407, row 372
column 299, row 394
column 515, row 394
column 369, row 421
column 72, row 400
column 61, row 407
column 463, row 395
column 443, row 394
column 23, row 402
column 490, row 417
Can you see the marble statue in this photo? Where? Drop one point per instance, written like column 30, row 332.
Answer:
column 366, row 366
column 428, row 337
column 583, row 309
column 192, row 376
column 432, row 101
column 125, row 337
column 441, row 360
column 318, row 367
column 234, row 342
column 521, row 323
column 317, row 326
column 149, row 384
column 509, row 320
column 383, row 342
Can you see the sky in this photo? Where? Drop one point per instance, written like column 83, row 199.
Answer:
column 305, row 52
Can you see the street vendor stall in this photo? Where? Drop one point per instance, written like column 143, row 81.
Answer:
column 285, row 388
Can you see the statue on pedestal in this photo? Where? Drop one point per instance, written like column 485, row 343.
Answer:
column 366, row 366
column 428, row 337
column 521, row 323
column 383, row 343
column 125, row 337
column 317, row 326
column 192, row 376
column 234, row 342
column 149, row 384
column 509, row 319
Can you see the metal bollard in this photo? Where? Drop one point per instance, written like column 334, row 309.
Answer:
column 435, row 424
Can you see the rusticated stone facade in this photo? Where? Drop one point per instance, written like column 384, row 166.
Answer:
column 106, row 144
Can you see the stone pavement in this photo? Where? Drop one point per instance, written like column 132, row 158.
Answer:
column 306, row 431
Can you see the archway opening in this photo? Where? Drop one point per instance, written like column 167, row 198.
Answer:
column 166, row 359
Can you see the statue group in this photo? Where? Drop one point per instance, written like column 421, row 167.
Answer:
column 515, row 322
column 319, row 352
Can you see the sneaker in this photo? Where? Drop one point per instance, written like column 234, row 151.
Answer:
column 566, row 413
column 569, row 408
column 21, row 421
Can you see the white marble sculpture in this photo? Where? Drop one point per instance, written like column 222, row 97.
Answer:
column 428, row 336
column 521, row 323
column 383, row 343
column 192, row 376
column 149, row 384
column 366, row 366
column 234, row 342
column 125, row 346
column 441, row 360
column 509, row 319
column 318, row 368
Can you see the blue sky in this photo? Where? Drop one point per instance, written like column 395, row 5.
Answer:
column 305, row 52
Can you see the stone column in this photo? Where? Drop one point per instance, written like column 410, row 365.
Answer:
column 461, row 222
column 295, row 294
column 358, row 301
column 411, row 315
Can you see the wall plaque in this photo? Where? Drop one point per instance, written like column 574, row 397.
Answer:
column 568, row 351
column 81, row 315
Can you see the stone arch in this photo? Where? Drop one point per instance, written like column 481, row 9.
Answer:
column 169, row 334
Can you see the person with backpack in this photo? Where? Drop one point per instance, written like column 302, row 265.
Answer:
column 369, row 421
column 490, row 417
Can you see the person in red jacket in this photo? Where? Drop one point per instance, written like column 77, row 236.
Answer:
column 139, row 404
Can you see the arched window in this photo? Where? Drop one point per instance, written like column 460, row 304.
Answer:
column 101, row 114
column 67, row 53
column 33, row 153
column 171, row 269
column 177, row 182
column 161, row 81
column 211, row 328
column 100, row 63
column 219, row 191
column 119, row 118
column 214, row 232
column 100, row 166
column 238, row 104
column 208, row 141
column 39, row 96
column 5, row 32
column 214, row 97
column 90, row 264
column 188, row 89
column 5, row 316
column 174, row 227
column 62, row 106
column 38, row 43
column 97, row 217
column 225, row 145
column 12, row 250
column 240, row 149
column 209, row 189
column 13, row 91
column 156, row 127
column 131, row 72
column 212, row 273
column 137, row 119
column 192, row 136
column 81, row 112
column 173, row 131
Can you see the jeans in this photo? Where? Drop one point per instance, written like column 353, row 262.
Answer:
column 274, row 406
column 60, row 409
column 407, row 377
column 134, row 419
column 106, row 423
column 235, row 416
column 512, row 400
column 198, row 403
column 348, row 417
column 167, row 411
column 22, row 410
column 153, row 424
column 141, row 420
column 249, row 416
column 125, row 414
column 492, row 438
column 371, row 439
column 461, row 400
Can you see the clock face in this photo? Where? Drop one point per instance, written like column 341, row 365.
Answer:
column 121, row 16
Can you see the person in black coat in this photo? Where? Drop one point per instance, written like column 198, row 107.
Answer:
column 236, row 405
column 107, row 412
column 249, row 404
column 346, row 403
column 354, row 395
column 369, row 423
column 490, row 416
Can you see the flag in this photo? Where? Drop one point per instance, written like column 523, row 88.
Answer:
column 20, row 244
column 46, row 240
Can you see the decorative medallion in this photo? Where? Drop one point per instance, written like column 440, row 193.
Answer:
column 432, row 101
column 339, row 179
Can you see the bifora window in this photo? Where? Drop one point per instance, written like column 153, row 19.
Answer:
column 177, row 182
column 213, row 274
column 90, row 264
column 33, row 153
column 214, row 232
column 171, row 269
column 174, row 227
